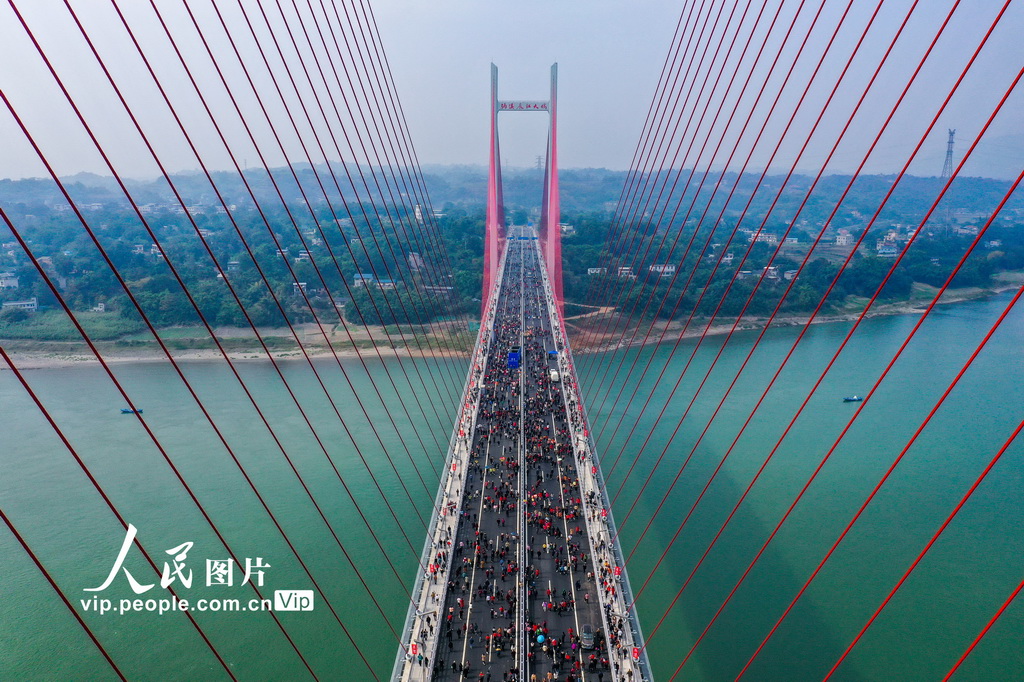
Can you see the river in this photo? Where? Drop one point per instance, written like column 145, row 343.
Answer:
column 971, row 569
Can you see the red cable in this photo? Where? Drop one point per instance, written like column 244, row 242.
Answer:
column 647, row 175
column 860, row 318
column 396, row 106
column 660, row 91
column 910, row 443
column 639, row 177
column 934, row 538
column 291, row 271
column 778, row 306
column 266, row 114
column 220, row 271
column 291, row 80
column 704, row 177
column 627, row 288
column 174, row 271
column 56, row 293
column 732, row 235
column 135, row 412
column 313, row 167
column 984, row 631
column 418, row 191
column 845, row 430
column 401, row 363
column 53, row 583
column 379, row 135
column 232, row 454
column 124, row 524
column 696, row 195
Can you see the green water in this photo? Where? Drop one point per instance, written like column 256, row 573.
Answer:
column 972, row 568
column 970, row 571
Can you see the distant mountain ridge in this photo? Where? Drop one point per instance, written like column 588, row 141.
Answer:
column 582, row 189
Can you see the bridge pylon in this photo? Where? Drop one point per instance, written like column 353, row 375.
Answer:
column 549, row 231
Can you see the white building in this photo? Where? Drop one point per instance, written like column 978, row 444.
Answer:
column 31, row 304
column 764, row 238
column 887, row 248
column 664, row 270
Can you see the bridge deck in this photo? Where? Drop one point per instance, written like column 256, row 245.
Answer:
column 524, row 520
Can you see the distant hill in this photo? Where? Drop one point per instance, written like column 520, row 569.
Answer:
column 582, row 189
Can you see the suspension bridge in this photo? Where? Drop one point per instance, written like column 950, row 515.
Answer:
column 688, row 430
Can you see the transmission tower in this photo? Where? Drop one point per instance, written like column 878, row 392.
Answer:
column 947, row 173
column 947, row 167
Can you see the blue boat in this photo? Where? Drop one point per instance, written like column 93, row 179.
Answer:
column 128, row 410
column 853, row 399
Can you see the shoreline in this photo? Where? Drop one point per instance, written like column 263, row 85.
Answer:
column 696, row 328
column 77, row 354
column 32, row 359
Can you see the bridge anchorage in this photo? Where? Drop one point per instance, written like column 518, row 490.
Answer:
column 521, row 576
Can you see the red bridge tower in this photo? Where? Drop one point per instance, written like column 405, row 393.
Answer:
column 550, row 215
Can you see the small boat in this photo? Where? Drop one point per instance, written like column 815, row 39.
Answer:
column 847, row 399
column 128, row 410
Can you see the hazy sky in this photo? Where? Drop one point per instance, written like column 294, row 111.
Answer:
column 610, row 55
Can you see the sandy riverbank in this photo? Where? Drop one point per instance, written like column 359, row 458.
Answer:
column 602, row 332
column 188, row 344
column 36, row 359
column 594, row 327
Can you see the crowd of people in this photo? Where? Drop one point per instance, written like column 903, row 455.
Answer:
column 521, row 533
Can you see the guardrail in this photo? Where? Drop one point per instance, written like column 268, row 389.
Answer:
column 630, row 661
column 418, row 649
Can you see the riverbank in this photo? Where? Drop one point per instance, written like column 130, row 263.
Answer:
column 605, row 331
column 194, row 344
column 589, row 332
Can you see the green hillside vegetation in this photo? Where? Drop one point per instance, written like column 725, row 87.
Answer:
column 312, row 256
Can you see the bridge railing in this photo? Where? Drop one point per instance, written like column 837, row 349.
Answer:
column 599, row 518
column 443, row 526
